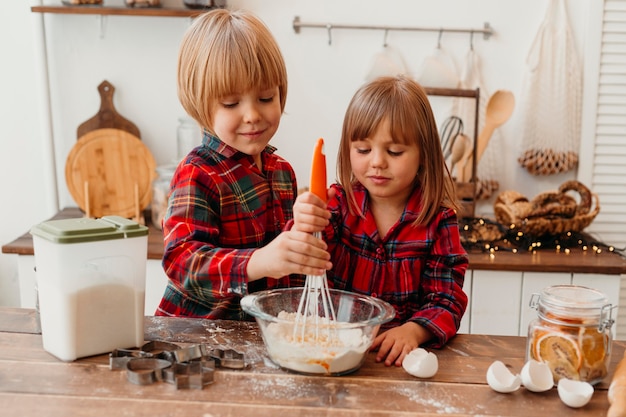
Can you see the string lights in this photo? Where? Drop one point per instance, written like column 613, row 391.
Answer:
column 487, row 236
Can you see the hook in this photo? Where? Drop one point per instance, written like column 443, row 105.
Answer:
column 385, row 38
column 439, row 40
column 329, row 28
column 471, row 40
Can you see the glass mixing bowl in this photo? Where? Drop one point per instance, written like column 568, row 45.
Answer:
column 312, row 345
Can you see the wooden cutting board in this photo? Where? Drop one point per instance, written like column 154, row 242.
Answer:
column 110, row 172
column 107, row 116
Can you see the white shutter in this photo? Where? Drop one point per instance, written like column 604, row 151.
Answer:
column 608, row 159
column 603, row 146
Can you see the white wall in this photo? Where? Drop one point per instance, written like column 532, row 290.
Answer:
column 138, row 56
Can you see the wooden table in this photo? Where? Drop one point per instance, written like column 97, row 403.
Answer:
column 33, row 383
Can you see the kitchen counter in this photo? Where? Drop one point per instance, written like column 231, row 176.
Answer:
column 542, row 261
column 518, row 275
column 34, row 383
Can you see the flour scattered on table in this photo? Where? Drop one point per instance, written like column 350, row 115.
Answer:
column 440, row 405
column 218, row 330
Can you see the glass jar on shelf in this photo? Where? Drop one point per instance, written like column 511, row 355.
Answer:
column 160, row 194
column 572, row 332
column 205, row 4
column 188, row 136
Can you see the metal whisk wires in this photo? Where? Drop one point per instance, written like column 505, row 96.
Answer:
column 315, row 310
column 316, row 314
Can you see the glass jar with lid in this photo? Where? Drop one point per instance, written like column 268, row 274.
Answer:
column 572, row 332
column 160, row 194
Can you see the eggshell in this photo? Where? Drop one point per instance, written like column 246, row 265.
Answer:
column 500, row 379
column 537, row 376
column 421, row 363
column 574, row 394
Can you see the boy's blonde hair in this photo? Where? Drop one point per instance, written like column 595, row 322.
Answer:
column 405, row 104
column 227, row 52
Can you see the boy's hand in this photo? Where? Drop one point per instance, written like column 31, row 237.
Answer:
column 309, row 213
column 291, row 252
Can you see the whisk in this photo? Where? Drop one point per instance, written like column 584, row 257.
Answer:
column 316, row 303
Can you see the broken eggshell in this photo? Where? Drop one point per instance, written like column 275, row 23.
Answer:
column 500, row 379
column 574, row 394
column 421, row 363
column 537, row 376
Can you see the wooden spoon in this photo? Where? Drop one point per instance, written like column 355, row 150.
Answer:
column 461, row 144
column 499, row 110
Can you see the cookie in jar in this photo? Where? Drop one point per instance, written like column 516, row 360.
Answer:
column 572, row 332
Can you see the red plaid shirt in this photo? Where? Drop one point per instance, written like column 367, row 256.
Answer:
column 221, row 208
column 420, row 271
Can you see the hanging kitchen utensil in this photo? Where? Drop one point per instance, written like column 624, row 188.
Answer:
column 499, row 110
column 552, row 99
column 107, row 116
column 450, row 129
column 110, row 172
column 461, row 144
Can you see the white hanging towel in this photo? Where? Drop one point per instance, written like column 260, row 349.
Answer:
column 387, row 62
column 551, row 99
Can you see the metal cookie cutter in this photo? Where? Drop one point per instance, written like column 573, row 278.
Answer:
column 187, row 354
column 225, row 358
column 118, row 358
column 195, row 374
column 145, row 371
column 185, row 367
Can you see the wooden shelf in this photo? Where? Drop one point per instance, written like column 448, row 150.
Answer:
column 452, row 92
column 120, row 11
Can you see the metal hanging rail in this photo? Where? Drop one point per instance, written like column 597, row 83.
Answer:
column 487, row 30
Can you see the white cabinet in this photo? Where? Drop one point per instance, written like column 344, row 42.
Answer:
column 496, row 299
column 467, row 287
column 499, row 300
column 156, row 281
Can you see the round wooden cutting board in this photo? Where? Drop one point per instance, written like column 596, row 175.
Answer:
column 114, row 169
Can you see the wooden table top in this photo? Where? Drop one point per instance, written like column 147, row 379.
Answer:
column 541, row 261
column 33, row 383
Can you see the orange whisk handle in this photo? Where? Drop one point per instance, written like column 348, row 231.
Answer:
column 318, row 171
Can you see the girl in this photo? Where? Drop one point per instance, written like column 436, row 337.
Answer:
column 390, row 222
column 231, row 197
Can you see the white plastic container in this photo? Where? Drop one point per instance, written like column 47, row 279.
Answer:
column 91, row 282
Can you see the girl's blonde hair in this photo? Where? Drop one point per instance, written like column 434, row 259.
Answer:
column 404, row 103
column 227, row 52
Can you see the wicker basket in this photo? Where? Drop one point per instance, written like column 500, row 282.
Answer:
column 549, row 213
column 555, row 225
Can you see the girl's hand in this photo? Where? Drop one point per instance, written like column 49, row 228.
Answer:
column 309, row 213
column 291, row 252
column 394, row 344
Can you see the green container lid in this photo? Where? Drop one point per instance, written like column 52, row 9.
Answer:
column 88, row 230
